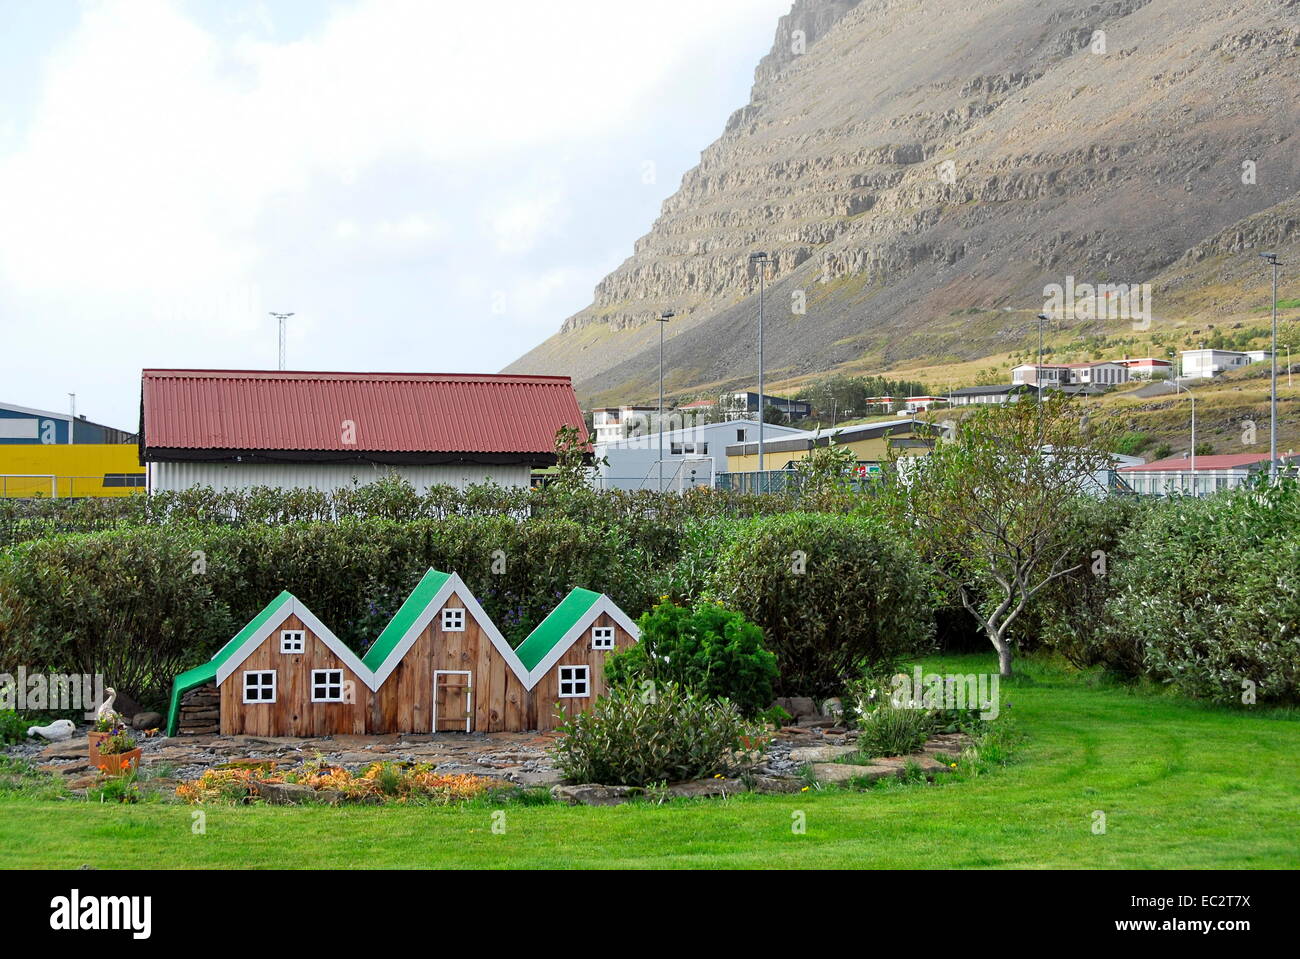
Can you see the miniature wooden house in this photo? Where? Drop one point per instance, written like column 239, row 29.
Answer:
column 284, row 674
column 565, row 655
column 441, row 665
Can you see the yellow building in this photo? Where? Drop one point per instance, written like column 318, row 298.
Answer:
column 70, row 469
column 871, row 444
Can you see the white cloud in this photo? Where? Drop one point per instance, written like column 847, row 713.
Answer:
column 173, row 175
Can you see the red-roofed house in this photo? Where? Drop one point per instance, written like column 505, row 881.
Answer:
column 235, row 429
column 1212, row 474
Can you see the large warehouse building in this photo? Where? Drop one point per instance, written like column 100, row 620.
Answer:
column 231, row 429
column 56, row 455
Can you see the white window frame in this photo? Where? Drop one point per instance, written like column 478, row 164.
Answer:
column 576, row 671
column 327, row 683
column 453, row 619
column 290, row 637
column 273, row 686
column 602, row 637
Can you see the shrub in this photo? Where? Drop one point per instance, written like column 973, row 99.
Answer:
column 629, row 738
column 13, row 728
column 712, row 651
column 1207, row 595
column 833, row 594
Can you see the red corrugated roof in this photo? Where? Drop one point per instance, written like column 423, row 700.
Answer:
column 1183, row 463
column 392, row 412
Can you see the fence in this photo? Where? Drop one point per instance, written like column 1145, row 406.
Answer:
column 52, row 486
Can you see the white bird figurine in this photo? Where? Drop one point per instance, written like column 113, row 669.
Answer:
column 55, row 731
column 105, row 710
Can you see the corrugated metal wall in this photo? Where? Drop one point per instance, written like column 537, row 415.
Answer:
column 327, row 477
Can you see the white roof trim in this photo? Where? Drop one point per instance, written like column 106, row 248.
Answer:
column 454, row 586
column 603, row 605
column 294, row 607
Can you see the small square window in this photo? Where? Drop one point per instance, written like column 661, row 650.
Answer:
column 292, row 640
column 259, row 687
column 327, row 685
column 602, row 637
column 453, row 620
column 574, row 681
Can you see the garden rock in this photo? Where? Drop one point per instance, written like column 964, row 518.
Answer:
column 798, row 706
column 702, row 788
column 820, row 754
column 593, row 794
column 146, row 720
column 294, row 794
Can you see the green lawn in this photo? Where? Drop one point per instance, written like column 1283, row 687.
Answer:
column 1181, row 785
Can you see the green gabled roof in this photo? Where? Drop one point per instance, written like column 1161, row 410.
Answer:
column 397, row 627
column 554, row 627
column 206, row 673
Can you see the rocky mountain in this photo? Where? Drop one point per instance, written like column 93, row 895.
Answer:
column 920, row 170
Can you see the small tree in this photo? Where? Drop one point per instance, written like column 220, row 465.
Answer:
column 989, row 506
column 827, row 470
column 573, row 460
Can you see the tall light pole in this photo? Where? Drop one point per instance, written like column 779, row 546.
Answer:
column 760, row 259
column 1179, row 386
column 664, row 317
column 1271, row 258
column 281, row 317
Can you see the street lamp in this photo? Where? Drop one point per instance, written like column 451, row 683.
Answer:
column 664, row 317
column 281, row 317
column 760, row 259
column 1271, row 259
column 1179, row 386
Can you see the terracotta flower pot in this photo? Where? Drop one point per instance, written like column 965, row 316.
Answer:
column 114, row 763
column 94, row 739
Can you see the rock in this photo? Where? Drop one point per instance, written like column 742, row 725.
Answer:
column 294, row 794
column 67, row 751
column 775, row 784
column 146, row 720
column 704, row 788
column 820, row 722
column 798, row 706
column 536, row 777
column 843, row 772
column 820, row 754
column 593, row 794
column 833, row 707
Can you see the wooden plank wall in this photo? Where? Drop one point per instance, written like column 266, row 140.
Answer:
column 293, row 713
column 545, row 695
column 404, row 703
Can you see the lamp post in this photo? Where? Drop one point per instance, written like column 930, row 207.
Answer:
column 760, row 259
column 1179, row 386
column 281, row 317
column 664, row 317
column 1272, row 260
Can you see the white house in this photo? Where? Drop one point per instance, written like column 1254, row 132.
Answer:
column 691, row 456
column 1206, row 364
column 1100, row 373
column 611, row 423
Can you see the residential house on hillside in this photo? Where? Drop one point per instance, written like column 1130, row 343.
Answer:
column 1104, row 373
column 1206, row 364
column 612, row 423
column 231, row 429
column 1148, row 368
column 738, row 406
column 982, row 395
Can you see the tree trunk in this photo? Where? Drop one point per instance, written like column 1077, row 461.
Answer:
column 1004, row 654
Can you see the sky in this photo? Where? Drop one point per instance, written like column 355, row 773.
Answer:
column 425, row 185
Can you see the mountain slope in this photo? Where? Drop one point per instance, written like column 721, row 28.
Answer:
column 926, row 167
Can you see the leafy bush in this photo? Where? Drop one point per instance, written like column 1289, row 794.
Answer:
column 710, row 650
column 833, row 594
column 1208, row 594
column 634, row 737
column 13, row 728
